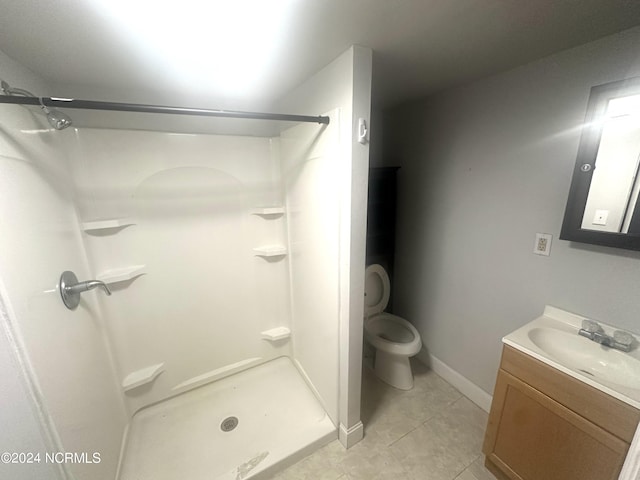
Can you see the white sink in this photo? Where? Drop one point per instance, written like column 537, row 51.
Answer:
column 553, row 339
column 590, row 358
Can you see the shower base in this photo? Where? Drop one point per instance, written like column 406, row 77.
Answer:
column 279, row 421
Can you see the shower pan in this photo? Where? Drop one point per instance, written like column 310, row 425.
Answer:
column 219, row 431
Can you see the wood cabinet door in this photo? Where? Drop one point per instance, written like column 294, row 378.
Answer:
column 532, row 437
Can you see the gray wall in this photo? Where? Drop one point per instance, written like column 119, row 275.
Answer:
column 484, row 167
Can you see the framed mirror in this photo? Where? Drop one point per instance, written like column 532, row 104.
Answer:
column 603, row 207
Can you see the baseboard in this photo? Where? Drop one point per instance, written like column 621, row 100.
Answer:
column 466, row 386
column 349, row 437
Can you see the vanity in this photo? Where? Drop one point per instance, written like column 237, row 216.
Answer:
column 564, row 407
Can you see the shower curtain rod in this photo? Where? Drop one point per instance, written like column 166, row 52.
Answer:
column 135, row 107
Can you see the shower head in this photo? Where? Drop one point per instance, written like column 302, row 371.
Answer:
column 56, row 118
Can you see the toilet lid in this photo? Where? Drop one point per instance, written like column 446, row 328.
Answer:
column 377, row 289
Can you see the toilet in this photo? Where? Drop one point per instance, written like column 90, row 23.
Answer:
column 394, row 338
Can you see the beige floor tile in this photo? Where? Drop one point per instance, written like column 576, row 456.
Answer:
column 431, row 432
column 393, row 413
column 428, row 399
column 466, row 475
column 370, row 459
column 306, row 471
column 376, row 395
column 366, row 463
column 479, row 470
column 428, row 452
column 322, row 464
column 445, row 445
column 334, row 452
column 392, row 426
column 469, row 422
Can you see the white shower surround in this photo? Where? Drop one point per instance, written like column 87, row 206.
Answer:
column 205, row 297
column 60, row 246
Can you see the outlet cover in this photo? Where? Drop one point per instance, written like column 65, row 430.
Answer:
column 543, row 244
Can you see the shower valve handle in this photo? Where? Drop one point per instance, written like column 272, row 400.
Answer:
column 70, row 288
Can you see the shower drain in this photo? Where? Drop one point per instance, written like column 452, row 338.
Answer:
column 229, row 424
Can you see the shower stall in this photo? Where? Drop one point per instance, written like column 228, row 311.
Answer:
column 225, row 342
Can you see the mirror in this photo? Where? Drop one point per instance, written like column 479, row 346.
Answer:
column 603, row 206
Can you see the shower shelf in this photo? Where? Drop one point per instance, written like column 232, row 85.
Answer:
column 270, row 251
column 121, row 274
column 96, row 225
column 275, row 334
column 268, row 211
column 142, row 376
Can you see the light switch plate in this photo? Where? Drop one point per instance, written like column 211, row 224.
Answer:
column 543, row 244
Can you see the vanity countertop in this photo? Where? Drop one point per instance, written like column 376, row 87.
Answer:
column 553, row 339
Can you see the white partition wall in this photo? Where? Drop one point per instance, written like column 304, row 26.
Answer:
column 345, row 86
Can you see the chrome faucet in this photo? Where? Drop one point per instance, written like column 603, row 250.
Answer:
column 71, row 288
column 620, row 340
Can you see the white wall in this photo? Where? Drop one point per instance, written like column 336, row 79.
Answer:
column 204, row 297
column 484, row 167
column 40, row 239
column 345, row 84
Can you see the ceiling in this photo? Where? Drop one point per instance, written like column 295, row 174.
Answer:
column 420, row 46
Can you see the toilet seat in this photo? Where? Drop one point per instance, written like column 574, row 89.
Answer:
column 392, row 334
column 377, row 289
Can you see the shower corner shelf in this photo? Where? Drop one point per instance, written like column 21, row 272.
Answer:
column 268, row 211
column 121, row 274
column 142, row 376
column 97, row 225
column 275, row 334
column 270, row 251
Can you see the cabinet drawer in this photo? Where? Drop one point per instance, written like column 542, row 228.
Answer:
column 607, row 412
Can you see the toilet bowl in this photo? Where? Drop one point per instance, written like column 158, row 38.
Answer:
column 394, row 338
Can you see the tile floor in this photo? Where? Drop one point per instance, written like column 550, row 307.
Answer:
column 431, row 432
